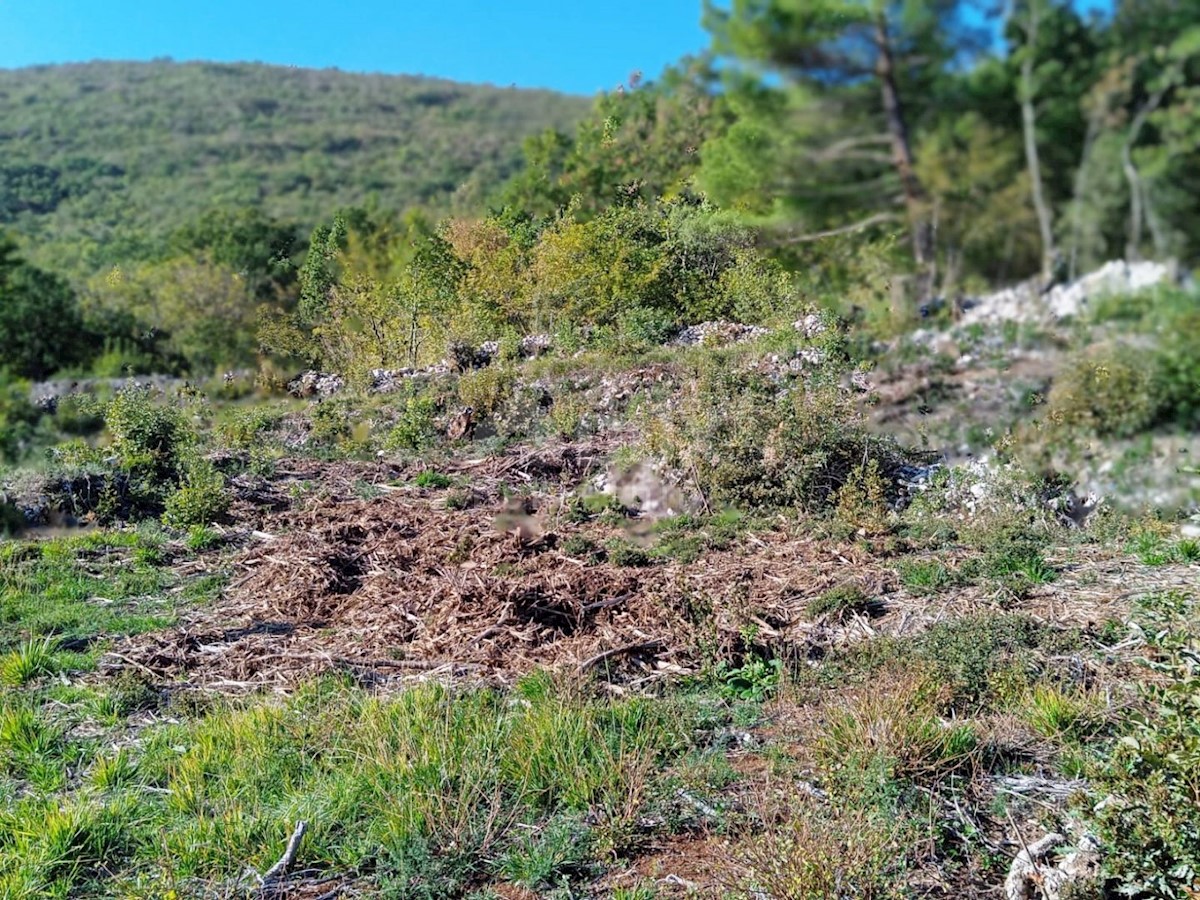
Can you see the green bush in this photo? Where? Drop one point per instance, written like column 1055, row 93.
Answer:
column 201, row 500
column 39, row 318
column 18, row 418
column 415, row 428
column 1177, row 369
column 750, row 442
column 148, row 437
column 1151, row 831
column 487, row 390
column 1113, row 391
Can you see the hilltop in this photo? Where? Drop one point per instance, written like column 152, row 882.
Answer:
column 108, row 157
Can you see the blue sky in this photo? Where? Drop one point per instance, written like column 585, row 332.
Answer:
column 579, row 46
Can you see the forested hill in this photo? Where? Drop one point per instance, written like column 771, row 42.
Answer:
column 102, row 160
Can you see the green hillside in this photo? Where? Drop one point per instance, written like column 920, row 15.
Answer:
column 104, row 159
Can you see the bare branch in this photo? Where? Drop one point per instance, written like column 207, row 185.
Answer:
column 877, row 219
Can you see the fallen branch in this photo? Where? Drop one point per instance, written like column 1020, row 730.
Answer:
column 280, row 869
column 617, row 651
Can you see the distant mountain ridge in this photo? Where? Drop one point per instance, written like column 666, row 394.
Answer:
column 102, row 160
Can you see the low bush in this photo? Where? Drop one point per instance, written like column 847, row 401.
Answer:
column 1111, row 390
column 1151, row 827
column 751, row 442
column 415, row 428
column 149, row 438
column 201, row 500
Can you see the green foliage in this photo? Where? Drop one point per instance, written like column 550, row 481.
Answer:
column 301, row 143
column 39, row 318
column 1151, row 830
column 18, row 418
column 200, row 500
column 47, row 594
column 486, row 391
column 450, row 788
column 200, row 312
column 415, row 429
column 148, row 437
column 756, row 679
column 32, row 659
column 431, row 479
column 1108, row 390
column 752, row 443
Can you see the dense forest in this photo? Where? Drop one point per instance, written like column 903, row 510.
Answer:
column 873, row 157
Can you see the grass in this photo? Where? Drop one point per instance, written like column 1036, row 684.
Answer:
column 450, row 787
column 32, row 659
column 839, row 602
column 78, row 591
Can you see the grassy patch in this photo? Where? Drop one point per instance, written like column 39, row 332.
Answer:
column 83, row 589
column 437, row 790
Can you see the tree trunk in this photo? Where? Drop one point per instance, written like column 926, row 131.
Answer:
column 1138, row 196
column 902, row 157
column 1029, row 124
column 1077, row 200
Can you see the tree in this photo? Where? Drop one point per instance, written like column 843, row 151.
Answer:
column 247, row 241
column 1026, row 18
column 833, row 48
column 196, row 310
column 39, row 318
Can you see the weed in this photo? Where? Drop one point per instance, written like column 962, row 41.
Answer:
column 582, row 548
column 757, row 679
column 201, row 538
column 1152, row 831
column 431, row 479
column 543, row 856
column 862, row 504
column 841, row 601
column 461, row 498
column 623, row 553
column 925, row 576
column 1054, row 713
column 894, row 730
column 33, row 659
column 835, row 851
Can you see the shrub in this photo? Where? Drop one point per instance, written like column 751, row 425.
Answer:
column 148, row 437
column 1152, row 830
column 415, row 429
column 39, row 318
column 18, row 418
column 201, row 500
column 246, row 427
column 487, row 390
column 862, row 501
column 1109, row 390
column 750, row 442
column 974, row 657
